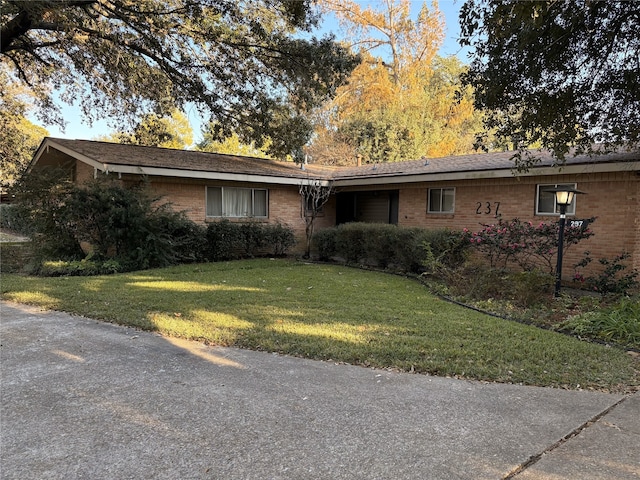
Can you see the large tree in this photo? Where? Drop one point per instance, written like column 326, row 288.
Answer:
column 243, row 62
column 19, row 137
column 231, row 145
column 561, row 74
column 172, row 131
column 400, row 102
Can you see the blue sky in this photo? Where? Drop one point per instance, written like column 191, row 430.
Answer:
column 77, row 129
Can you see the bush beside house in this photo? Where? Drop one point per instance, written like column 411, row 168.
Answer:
column 413, row 250
column 102, row 227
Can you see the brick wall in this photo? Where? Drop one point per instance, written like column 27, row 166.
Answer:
column 83, row 172
column 614, row 198
column 284, row 203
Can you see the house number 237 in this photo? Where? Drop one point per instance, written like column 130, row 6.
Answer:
column 487, row 208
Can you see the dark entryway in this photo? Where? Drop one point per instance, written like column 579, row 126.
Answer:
column 370, row 207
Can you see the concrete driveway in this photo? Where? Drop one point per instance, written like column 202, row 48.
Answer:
column 83, row 399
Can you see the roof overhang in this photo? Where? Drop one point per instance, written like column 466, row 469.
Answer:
column 366, row 179
column 584, row 168
column 113, row 168
column 202, row 175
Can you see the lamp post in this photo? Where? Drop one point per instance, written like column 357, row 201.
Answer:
column 564, row 197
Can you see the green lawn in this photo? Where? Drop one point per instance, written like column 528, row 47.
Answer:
column 332, row 313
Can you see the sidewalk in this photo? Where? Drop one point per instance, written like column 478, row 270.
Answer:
column 91, row 400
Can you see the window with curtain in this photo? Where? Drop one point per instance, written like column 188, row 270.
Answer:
column 236, row 202
column 441, row 200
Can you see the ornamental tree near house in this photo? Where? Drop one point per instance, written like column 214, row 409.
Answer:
column 314, row 195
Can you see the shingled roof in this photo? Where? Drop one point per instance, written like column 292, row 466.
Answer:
column 112, row 155
column 475, row 163
column 115, row 157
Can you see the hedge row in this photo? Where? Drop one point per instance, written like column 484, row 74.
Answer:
column 408, row 249
column 227, row 241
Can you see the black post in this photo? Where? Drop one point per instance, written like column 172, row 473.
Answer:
column 563, row 211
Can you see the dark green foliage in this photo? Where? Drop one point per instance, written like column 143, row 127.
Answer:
column 188, row 239
column 324, row 242
column 41, row 204
column 227, row 240
column 445, row 250
column 107, row 226
column 78, row 268
column 252, row 238
column 382, row 245
column 223, row 241
column 556, row 74
column 612, row 280
column 619, row 323
column 128, row 225
column 244, row 64
column 13, row 218
column 279, row 238
column 412, row 249
column 350, row 242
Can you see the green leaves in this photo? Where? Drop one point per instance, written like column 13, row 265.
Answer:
column 557, row 74
column 120, row 59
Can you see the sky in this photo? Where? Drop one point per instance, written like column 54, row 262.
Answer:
column 77, row 129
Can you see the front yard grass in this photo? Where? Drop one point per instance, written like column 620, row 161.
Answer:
column 333, row 313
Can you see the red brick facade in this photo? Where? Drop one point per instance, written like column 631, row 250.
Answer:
column 613, row 198
column 484, row 186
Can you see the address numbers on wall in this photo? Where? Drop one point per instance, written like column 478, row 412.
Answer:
column 488, row 208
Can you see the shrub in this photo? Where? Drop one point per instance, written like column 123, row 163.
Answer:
column 279, row 238
column 444, row 249
column 227, row 241
column 383, row 245
column 40, row 203
column 619, row 323
column 223, row 240
column 524, row 244
column 612, row 280
column 410, row 249
column 188, row 239
column 13, row 218
column 78, row 268
column 324, row 242
column 252, row 238
column 350, row 242
column 108, row 221
column 170, row 239
column 380, row 243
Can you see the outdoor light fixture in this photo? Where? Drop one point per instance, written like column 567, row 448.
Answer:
column 564, row 198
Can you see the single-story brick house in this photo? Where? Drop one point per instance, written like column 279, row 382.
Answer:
column 457, row 192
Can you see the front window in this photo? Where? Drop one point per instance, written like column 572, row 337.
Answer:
column 441, row 200
column 236, row 202
column 546, row 199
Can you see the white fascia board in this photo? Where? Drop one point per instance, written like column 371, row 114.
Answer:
column 484, row 174
column 197, row 174
column 72, row 153
column 48, row 143
column 172, row 172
